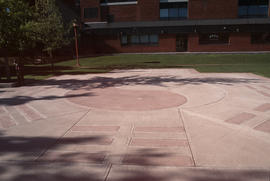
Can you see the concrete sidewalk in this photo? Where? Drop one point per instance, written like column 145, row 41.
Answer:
column 155, row 124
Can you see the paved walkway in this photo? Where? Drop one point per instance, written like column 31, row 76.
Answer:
column 162, row 124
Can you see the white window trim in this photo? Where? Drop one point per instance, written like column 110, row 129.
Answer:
column 172, row 1
column 118, row 3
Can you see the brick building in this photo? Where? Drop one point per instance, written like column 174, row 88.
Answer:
column 111, row 26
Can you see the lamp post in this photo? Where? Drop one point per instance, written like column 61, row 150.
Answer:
column 76, row 44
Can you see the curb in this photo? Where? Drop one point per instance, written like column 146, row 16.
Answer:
column 7, row 85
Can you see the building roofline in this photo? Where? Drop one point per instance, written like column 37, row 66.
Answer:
column 179, row 23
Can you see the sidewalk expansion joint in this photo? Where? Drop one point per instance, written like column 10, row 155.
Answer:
column 188, row 139
column 108, row 172
column 59, row 139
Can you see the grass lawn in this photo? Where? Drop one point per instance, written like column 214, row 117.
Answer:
column 253, row 63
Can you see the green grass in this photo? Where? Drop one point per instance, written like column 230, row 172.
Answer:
column 253, row 63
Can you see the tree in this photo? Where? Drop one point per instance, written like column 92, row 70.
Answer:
column 14, row 39
column 48, row 27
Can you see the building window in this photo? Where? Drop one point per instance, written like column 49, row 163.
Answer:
column 153, row 39
column 117, row 1
column 145, row 39
column 124, row 40
column 173, row 11
column 214, row 38
column 164, row 13
column 77, row 3
column 134, row 39
column 253, row 8
column 90, row 13
column 260, row 38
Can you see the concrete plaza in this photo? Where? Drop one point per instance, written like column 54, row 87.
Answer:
column 152, row 124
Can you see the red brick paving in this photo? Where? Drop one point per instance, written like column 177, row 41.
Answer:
column 6, row 121
column 127, row 100
column 265, row 127
column 240, row 118
column 158, row 142
column 95, row 128
column 159, row 135
column 29, row 113
column 263, row 107
column 162, row 160
column 159, row 129
column 58, row 156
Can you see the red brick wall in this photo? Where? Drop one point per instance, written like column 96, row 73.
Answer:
column 212, row 9
column 109, row 44
column 167, row 43
column 238, row 42
column 124, row 12
column 148, row 10
column 145, row 10
column 88, row 4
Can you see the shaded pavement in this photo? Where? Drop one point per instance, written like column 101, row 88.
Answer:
column 156, row 124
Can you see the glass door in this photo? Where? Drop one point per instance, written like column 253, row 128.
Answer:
column 181, row 43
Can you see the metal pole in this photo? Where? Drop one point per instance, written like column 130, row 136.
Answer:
column 76, row 46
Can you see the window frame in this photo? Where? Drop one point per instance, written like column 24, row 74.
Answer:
column 169, row 6
column 117, row 2
column 256, row 5
column 139, row 38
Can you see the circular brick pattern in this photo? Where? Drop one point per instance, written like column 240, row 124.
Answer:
column 126, row 100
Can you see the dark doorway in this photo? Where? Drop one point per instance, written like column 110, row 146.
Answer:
column 181, row 43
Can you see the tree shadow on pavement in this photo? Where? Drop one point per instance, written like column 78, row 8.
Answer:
column 24, row 159
column 105, row 82
column 20, row 159
column 29, row 147
column 18, row 100
column 49, row 172
column 23, row 165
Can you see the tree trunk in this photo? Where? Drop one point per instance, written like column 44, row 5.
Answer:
column 51, row 60
column 20, row 70
column 7, row 68
column 21, row 64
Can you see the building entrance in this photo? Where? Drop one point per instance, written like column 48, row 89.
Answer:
column 181, row 43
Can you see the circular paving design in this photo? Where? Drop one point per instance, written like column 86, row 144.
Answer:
column 126, row 100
